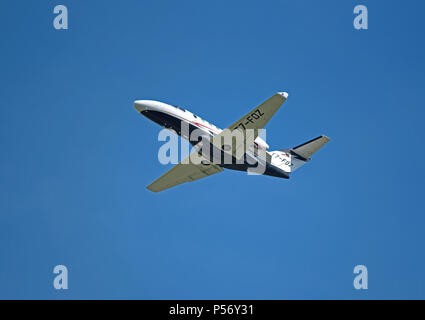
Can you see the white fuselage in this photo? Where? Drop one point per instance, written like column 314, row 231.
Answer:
column 173, row 118
column 176, row 119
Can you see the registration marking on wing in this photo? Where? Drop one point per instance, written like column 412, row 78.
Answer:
column 257, row 114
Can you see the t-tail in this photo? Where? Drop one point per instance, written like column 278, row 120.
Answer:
column 291, row 159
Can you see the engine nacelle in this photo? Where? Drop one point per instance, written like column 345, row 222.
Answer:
column 261, row 143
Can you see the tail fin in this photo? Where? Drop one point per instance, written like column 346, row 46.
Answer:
column 291, row 159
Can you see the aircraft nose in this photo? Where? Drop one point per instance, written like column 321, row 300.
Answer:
column 140, row 105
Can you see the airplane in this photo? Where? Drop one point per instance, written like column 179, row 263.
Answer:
column 279, row 163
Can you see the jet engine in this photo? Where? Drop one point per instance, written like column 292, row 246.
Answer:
column 261, row 144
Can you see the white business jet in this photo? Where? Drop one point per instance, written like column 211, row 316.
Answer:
column 255, row 151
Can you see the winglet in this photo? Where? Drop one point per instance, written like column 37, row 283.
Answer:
column 283, row 94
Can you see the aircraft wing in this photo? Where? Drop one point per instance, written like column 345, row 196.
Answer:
column 254, row 120
column 185, row 171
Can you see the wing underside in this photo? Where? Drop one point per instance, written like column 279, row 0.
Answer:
column 185, row 171
column 248, row 127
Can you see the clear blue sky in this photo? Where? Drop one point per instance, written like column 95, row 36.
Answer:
column 76, row 157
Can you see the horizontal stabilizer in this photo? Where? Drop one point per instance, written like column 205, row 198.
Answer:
column 291, row 159
column 307, row 149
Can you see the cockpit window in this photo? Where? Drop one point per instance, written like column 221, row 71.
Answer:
column 179, row 108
